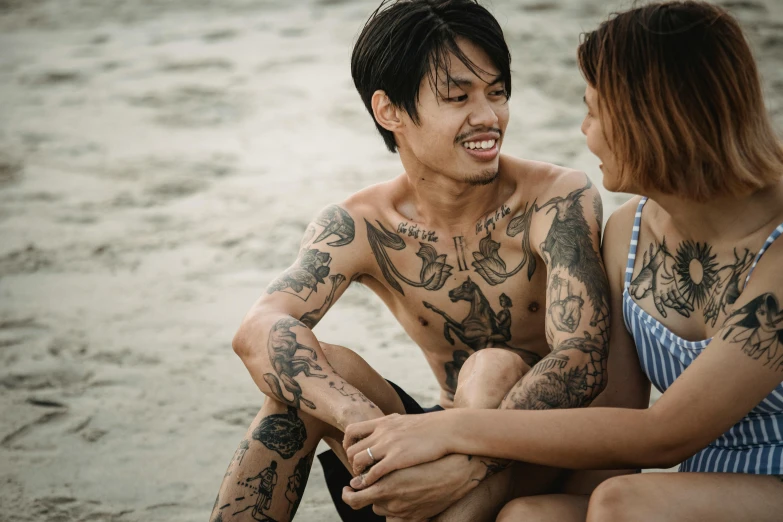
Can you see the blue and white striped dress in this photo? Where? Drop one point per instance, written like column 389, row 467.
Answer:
column 753, row 445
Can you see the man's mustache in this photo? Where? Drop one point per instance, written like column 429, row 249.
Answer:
column 466, row 135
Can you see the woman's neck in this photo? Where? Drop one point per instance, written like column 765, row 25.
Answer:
column 723, row 219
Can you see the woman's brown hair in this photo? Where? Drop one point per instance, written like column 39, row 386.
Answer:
column 679, row 86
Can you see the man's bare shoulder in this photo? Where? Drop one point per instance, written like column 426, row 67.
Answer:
column 373, row 202
column 540, row 180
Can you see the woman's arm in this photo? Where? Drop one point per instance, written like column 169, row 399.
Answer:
column 741, row 366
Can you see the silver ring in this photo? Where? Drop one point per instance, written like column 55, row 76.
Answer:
column 370, row 454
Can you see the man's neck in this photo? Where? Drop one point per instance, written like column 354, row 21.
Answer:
column 449, row 205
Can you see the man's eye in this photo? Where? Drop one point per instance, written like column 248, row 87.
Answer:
column 457, row 98
column 501, row 92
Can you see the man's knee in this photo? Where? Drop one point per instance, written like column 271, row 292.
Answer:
column 521, row 509
column 495, row 362
column 613, row 499
column 487, row 376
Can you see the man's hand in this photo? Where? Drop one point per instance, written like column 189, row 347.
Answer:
column 420, row 492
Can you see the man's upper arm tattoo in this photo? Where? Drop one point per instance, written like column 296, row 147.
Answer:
column 335, row 222
column 574, row 373
column 569, row 245
column 312, row 265
column 757, row 328
column 311, row 318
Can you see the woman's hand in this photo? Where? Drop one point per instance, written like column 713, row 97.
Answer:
column 396, row 442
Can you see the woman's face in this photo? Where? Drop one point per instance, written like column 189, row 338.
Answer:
column 597, row 129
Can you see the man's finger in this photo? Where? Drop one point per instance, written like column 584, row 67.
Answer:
column 378, row 471
column 359, row 499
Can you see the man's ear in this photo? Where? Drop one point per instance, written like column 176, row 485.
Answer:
column 386, row 114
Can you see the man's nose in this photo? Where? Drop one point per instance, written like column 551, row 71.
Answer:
column 483, row 114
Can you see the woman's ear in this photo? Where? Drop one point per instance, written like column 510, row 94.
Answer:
column 385, row 112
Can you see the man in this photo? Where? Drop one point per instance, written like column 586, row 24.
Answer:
column 489, row 262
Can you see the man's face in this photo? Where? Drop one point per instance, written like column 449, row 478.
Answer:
column 462, row 122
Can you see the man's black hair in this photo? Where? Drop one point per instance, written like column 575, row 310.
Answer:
column 405, row 39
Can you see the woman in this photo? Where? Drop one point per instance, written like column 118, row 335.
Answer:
column 675, row 114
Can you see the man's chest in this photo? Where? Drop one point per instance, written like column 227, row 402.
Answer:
column 468, row 292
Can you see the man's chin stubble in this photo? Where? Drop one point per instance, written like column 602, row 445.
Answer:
column 485, row 178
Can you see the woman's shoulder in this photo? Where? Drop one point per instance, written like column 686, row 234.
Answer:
column 620, row 224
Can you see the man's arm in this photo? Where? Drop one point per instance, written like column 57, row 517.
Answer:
column 567, row 230
column 275, row 340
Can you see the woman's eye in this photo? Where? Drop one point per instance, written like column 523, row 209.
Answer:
column 458, row 98
column 499, row 93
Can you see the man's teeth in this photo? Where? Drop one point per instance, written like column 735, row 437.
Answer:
column 479, row 144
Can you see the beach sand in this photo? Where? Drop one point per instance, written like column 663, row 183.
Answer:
column 159, row 160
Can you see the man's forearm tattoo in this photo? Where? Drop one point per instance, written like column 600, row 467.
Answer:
column 757, row 328
column 283, row 348
column 355, row 396
column 434, row 269
column 492, row 466
column 570, row 378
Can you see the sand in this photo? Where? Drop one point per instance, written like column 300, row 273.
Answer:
column 159, row 160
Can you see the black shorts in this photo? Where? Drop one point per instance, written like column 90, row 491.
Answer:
column 337, row 477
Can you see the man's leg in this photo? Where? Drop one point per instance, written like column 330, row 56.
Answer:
column 484, row 380
column 560, row 508
column 268, row 473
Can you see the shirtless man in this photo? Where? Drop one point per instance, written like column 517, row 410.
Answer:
column 490, row 263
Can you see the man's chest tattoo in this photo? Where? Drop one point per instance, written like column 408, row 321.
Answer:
column 690, row 279
column 434, row 268
column 481, row 325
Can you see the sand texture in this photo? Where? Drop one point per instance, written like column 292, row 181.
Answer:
column 159, row 160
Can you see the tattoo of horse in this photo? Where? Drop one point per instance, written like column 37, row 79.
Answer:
column 283, row 346
column 482, row 327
